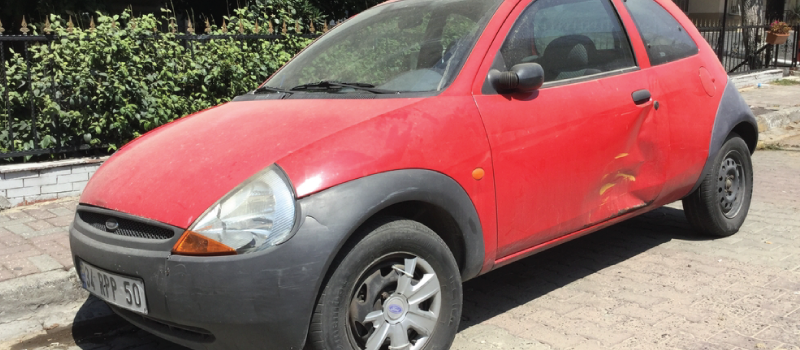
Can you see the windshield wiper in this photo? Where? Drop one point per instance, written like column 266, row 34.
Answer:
column 328, row 85
column 266, row 88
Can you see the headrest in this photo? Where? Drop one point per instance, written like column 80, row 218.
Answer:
column 568, row 53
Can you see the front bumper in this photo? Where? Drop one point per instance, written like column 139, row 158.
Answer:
column 262, row 300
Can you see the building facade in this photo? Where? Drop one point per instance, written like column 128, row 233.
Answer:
column 713, row 10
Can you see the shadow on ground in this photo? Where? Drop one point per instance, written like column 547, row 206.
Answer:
column 113, row 332
column 526, row 280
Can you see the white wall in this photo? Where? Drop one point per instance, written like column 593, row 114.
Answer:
column 36, row 182
column 706, row 6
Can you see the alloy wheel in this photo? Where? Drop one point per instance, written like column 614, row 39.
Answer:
column 396, row 305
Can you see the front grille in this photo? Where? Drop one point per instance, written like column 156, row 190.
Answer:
column 126, row 227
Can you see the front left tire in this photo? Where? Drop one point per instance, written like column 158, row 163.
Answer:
column 397, row 288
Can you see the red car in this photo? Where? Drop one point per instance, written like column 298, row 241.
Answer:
column 421, row 144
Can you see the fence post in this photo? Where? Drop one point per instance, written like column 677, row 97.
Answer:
column 5, row 95
column 53, row 94
column 31, row 95
column 796, row 49
column 721, row 43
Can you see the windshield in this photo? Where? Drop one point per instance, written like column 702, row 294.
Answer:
column 405, row 46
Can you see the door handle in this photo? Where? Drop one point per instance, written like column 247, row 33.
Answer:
column 641, row 97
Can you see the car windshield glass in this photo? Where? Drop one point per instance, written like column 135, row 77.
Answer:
column 406, row 46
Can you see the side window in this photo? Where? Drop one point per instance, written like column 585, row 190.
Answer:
column 665, row 38
column 569, row 39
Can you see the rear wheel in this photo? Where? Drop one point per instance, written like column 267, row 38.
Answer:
column 721, row 203
column 398, row 288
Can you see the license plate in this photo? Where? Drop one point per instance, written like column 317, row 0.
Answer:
column 127, row 293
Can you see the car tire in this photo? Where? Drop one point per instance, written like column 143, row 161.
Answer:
column 369, row 302
column 721, row 203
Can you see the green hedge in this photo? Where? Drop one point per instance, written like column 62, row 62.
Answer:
column 107, row 86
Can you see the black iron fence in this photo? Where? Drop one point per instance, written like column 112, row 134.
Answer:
column 30, row 90
column 22, row 132
column 745, row 48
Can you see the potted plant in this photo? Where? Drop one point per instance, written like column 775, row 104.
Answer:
column 778, row 33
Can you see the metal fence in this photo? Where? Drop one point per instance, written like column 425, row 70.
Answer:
column 739, row 48
column 24, row 44
column 744, row 48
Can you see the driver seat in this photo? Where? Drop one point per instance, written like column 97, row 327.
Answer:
column 569, row 57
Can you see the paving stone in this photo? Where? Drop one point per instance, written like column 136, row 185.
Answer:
column 39, row 225
column 39, row 213
column 10, row 239
column 732, row 338
column 61, row 221
column 60, row 211
column 780, row 334
column 20, row 267
column 5, row 274
column 18, row 252
column 45, row 263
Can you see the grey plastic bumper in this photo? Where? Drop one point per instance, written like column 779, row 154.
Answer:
column 261, row 300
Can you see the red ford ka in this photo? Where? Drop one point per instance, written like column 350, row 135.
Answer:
column 421, row 144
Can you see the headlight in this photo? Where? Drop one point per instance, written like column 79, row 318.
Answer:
column 258, row 214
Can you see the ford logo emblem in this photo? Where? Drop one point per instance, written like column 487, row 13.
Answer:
column 395, row 309
column 112, row 225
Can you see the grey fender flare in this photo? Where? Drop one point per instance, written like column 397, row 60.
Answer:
column 732, row 111
column 344, row 208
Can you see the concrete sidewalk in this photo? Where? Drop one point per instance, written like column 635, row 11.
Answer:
column 777, row 108
column 39, row 289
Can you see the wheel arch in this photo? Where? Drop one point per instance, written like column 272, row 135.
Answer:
column 431, row 198
column 749, row 134
column 733, row 116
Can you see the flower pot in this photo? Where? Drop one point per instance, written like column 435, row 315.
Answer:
column 777, row 39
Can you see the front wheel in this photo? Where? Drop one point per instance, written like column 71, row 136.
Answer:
column 398, row 288
column 721, row 203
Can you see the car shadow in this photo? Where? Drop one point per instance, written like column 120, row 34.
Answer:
column 526, row 280
column 484, row 297
column 96, row 327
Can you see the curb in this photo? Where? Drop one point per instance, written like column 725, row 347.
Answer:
column 753, row 79
column 19, row 297
column 778, row 119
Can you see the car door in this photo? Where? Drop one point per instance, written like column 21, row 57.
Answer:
column 689, row 94
column 590, row 144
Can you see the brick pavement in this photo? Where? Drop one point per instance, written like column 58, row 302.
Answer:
column 34, row 239
column 648, row 283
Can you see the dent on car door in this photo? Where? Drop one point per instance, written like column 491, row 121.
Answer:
column 579, row 150
column 678, row 71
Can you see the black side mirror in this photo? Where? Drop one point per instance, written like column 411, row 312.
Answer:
column 527, row 77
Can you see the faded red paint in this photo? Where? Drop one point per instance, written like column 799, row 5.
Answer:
column 559, row 163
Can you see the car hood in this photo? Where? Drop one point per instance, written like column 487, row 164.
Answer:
column 176, row 172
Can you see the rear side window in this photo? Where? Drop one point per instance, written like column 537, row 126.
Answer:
column 666, row 40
